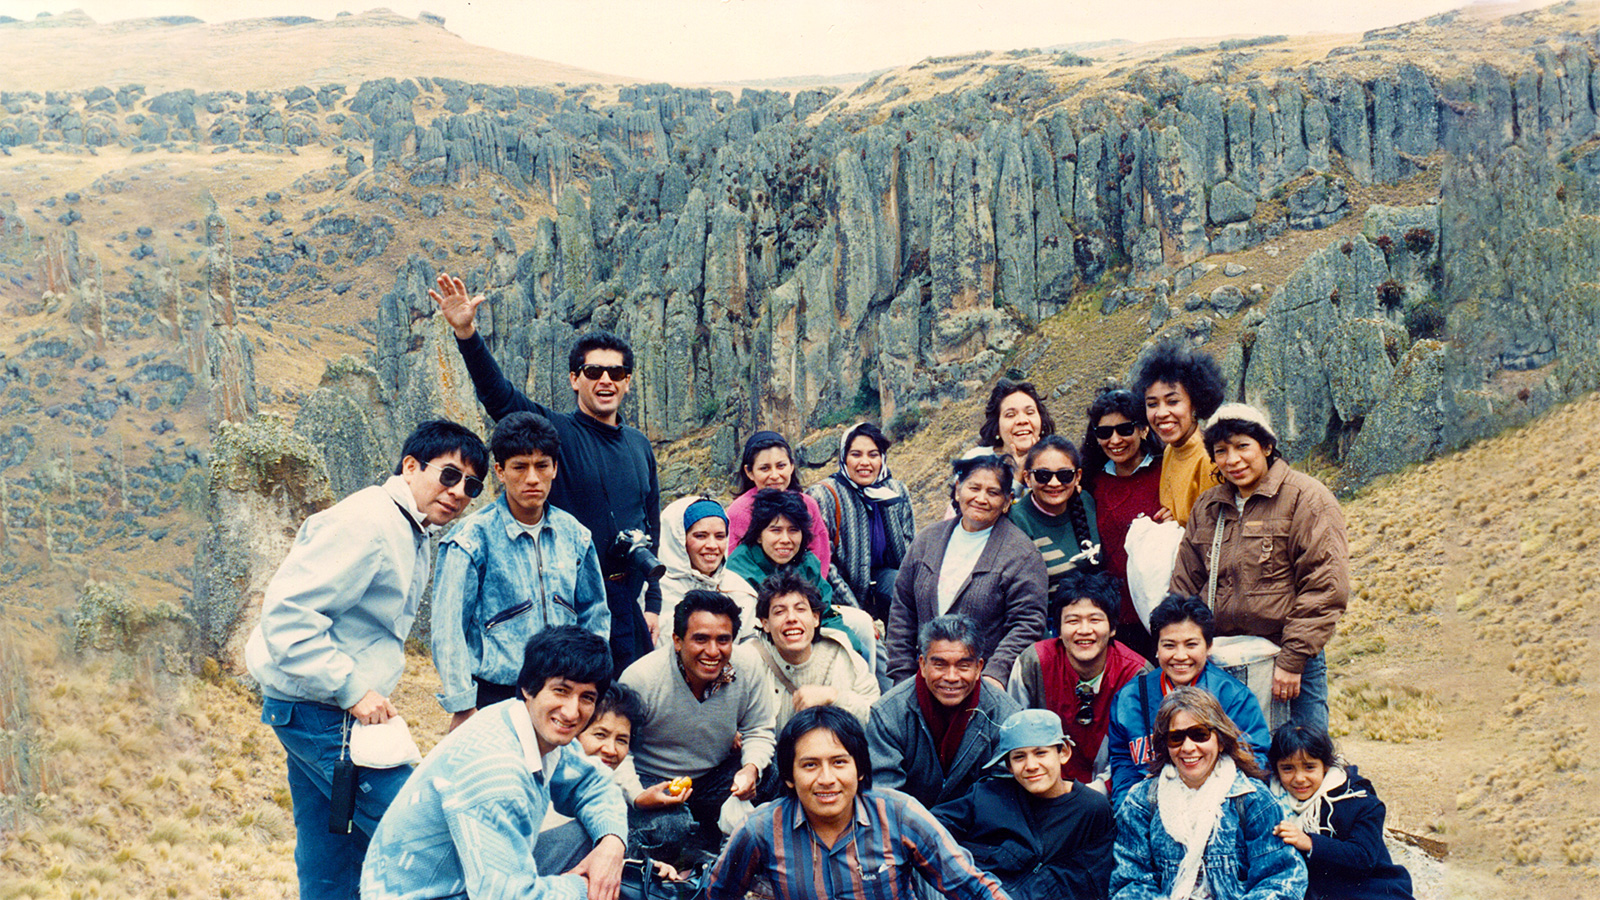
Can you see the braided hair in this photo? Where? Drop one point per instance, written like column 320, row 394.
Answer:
column 1076, row 510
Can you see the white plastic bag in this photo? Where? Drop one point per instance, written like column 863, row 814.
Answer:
column 734, row 812
column 1152, row 550
column 386, row 745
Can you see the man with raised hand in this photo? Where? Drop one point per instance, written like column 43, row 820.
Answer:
column 606, row 474
column 510, row 570
column 467, row 823
column 330, row 647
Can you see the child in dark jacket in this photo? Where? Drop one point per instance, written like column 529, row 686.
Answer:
column 1334, row 818
column 1042, row 835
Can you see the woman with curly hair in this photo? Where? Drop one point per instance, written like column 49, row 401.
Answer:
column 779, row 540
column 1180, row 386
column 1014, row 419
column 1202, row 826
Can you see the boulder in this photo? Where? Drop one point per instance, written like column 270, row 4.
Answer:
column 1229, row 203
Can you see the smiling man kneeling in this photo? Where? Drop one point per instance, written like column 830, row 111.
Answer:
column 467, row 823
column 831, row 835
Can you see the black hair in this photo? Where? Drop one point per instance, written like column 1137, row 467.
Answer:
column 769, row 504
column 1290, row 739
column 621, row 701
column 785, row 582
column 1076, row 509
column 964, row 467
column 1131, row 407
column 845, row 727
column 441, row 437
column 1177, row 608
column 764, row 440
column 989, row 431
column 870, row 431
column 1074, row 585
column 1224, row 429
column 718, row 604
column 598, row 340
column 1197, row 373
column 522, row 433
column 949, row 627
column 565, row 651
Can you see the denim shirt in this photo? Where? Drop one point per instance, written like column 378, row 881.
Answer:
column 497, row 585
column 1244, row 860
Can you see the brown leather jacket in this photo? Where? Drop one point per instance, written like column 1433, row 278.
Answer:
column 1284, row 575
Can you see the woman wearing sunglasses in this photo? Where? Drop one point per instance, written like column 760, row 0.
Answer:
column 1184, row 630
column 1202, row 825
column 1122, row 472
column 1055, row 513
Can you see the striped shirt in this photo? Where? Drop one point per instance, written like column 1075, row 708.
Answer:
column 893, row 839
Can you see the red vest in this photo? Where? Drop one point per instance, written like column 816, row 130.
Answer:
column 1060, row 697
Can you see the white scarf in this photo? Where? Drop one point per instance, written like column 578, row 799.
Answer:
column 1190, row 816
column 1307, row 814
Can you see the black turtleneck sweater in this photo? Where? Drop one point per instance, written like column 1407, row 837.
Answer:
column 605, row 477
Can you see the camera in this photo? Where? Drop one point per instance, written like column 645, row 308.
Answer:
column 630, row 551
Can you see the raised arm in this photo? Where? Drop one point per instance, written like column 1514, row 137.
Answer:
column 498, row 395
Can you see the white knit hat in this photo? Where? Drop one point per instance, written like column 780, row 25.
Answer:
column 1243, row 412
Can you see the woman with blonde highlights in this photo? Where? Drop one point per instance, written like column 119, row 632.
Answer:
column 1202, row 824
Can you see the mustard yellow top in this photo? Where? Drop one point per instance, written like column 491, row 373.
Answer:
column 1186, row 472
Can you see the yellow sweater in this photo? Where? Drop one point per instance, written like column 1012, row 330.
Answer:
column 1186, row 472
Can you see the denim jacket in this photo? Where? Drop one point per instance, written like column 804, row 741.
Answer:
column 493, row 589
column 1244, row 860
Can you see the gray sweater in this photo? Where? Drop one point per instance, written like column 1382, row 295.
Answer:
column 681, row 735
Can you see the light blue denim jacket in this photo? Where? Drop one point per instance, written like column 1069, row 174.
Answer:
column 1244, row 860
column 494, row 588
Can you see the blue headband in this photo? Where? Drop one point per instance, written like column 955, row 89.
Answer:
column 701, row 509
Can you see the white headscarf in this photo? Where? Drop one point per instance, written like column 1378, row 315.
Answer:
column 879, row 488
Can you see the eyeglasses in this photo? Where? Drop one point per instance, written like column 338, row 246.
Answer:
column 450, row 476
column 1198, row 733
column 1126, row 429
column 593, row 372
column 1045, row 476
column 1085, row 714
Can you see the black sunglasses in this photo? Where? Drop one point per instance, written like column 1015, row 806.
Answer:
column 593, row 372
column 1198, row 733
column 1045, row 476
column 1085, row 714
column 1104, row 432
column 450, row 476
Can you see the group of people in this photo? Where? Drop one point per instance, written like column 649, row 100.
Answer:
column 804, row 689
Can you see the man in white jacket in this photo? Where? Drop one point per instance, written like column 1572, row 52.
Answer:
column 330, row 647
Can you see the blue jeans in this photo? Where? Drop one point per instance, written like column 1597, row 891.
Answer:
column 1311, row 707
column 329, row 864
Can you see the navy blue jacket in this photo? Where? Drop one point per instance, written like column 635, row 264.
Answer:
column 1353, row 862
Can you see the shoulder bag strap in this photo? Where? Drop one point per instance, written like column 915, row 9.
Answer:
column 838, row 510
column 1216, row 554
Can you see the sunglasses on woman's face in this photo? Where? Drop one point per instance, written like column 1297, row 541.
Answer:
column 1104, row 432
column 1198, row 733
column 1045, row 476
